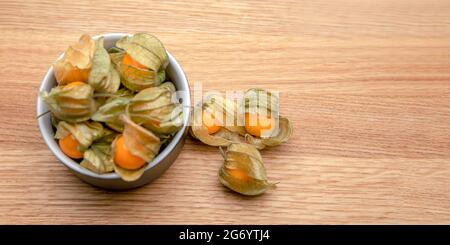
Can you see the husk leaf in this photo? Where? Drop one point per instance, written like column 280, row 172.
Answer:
column 116, row 58
column 154, row 109
column 85, row 133
column 107, row 137
column 72, row 103
column 217, row 105
column 282, row 134
column 76, row 63
column 145, row 49
column 98, row 158
column 140, row 142
column 110, row 111
column 261, row 101
column 243, row 170
column 103, row 76
column 135, row 78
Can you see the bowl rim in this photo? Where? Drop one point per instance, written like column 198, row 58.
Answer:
column 51, row 143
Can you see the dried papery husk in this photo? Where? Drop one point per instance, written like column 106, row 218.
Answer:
column 281, row 135
column 223, row 137
column 148, row 51
column 76, row 63
column 99, row 101
column 85, row 133
column 243, row 170
column 116, row 57
column 230, row 109
column 167, row 125
column 155, row 109
column 110, row 111
column 103, row 77
column 98, row 158
column 152, row 43
column 123, row 92
column 218, row 105
column 229, row 135
column 72, row 102
column 261, row 101
column 141, row 143
column 107, row 137
column 259, row 105
column 145, row 49
column 136, row 78
column 102, row 97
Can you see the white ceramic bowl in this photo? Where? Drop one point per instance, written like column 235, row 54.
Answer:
column 111, row 180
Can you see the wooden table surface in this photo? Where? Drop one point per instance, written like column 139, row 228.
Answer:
column 365, row 83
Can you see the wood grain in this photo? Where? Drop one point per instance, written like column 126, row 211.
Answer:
column 365, row 83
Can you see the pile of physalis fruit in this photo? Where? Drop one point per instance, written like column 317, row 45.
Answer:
column 241, row 128
column 113, row 109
